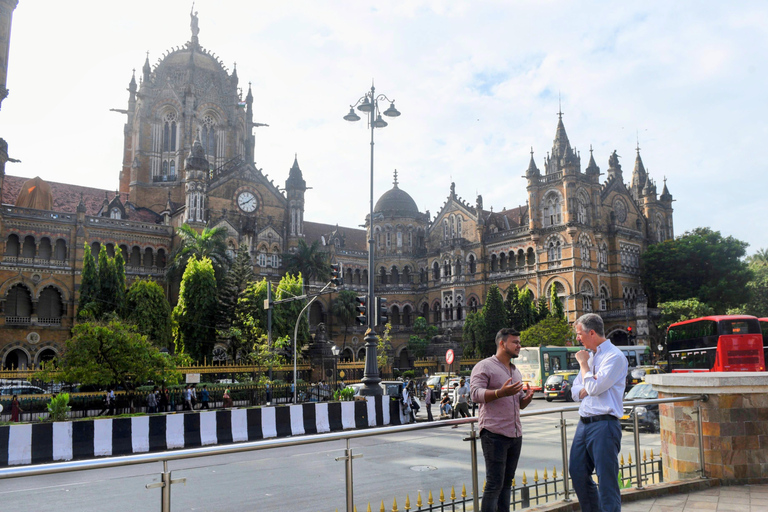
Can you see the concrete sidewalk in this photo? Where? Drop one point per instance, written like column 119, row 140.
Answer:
column 742, row 498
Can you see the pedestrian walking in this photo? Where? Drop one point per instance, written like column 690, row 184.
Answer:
column 227, row 399
column 152, row 401
column 428, row 403
column 205, row 397
column 163, row 400
column 187, row 397
column 497, row 385
column 599, row 387
column 15, row 409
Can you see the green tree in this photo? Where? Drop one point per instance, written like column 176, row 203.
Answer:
column 419, row 341
column 550, row 331
column 542, row 309
column 495, row 316
column 474, row 332
column 148, row 309
column 195, row 313
column 514, row 308
column 527, row 309
column 211, row 244
column 679, row 310
column 106, row 354
column 343, row 309
column 558, row 311
column 109, row 295
column 760, row 258
column 756, row 303
column 118, row 264
column 700, row 264
column 89, row 287
column 238, row 278
column 309, row 260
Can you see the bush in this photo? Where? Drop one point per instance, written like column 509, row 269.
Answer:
column 59, row 407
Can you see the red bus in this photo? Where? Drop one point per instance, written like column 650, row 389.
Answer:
column 732, row 343
column 764, row 328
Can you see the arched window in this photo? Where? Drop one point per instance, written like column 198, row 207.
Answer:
column 472, row 264
column 503, row 261
column 531, row 257
column 407, row 316
column 458, row 266
column 582, row 204
column 584, row 250
column 49, row 306
column 29, row 248
column 552, row 210
column 587, row 293
column 18, row 305
column 160, row 260
column 45, row 250
column 382, row 275
column 436, row 313
column 208, row 138
column 446, row 230
column 473, row 305
column 60, row 251
column 435, row 271
column 458, row 226
column 494, row 263
column 554, row 251
column 453, row 226
column 603, row 299
column 394, row 315
column 425, row 311
column 406, row 275
column 114, row 213
column 149, row 258
column 395, row 275
column 12, row 246
column 447, row 268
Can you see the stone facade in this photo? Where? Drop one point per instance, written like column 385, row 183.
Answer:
column 734, row 423
column 577, row 232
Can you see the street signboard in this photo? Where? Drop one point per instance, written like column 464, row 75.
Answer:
column 449, row 356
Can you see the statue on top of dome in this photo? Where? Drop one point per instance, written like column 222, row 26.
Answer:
column 193, row 21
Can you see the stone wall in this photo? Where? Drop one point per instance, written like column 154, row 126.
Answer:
column 734, row 426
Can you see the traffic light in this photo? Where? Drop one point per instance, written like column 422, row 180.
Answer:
column 361, row 308
column 382, row 315
column 336, row 277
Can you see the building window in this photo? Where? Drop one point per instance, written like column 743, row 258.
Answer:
column 114, row 213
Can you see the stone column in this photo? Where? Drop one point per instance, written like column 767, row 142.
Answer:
column 734, row 425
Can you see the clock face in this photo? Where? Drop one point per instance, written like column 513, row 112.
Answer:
column 247, row 202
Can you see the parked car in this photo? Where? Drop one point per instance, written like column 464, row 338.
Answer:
column 24, row 389
column 637, row 374
column 558, row 385
column 647, row 415
column 392, row 388
column 436, row 383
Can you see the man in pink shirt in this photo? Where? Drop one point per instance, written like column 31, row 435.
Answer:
column 496, row 384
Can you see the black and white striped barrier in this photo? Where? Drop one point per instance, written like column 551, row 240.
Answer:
column 37, row 443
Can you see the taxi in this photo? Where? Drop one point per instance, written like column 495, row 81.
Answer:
column 558, row 385
column 637, row 375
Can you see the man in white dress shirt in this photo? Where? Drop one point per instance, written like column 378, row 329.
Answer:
column 600, row 389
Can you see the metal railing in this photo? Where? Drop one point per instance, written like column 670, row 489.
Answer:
column 166, row 480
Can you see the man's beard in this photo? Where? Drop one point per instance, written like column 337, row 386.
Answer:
column 514, row 356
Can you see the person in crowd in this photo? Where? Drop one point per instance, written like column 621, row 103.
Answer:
column 152, row 401
column 163, row 400
column 227, row 399
column 407, row 408
column 497, row 385
column 462, row 399
column 599, row 387
column 445, row 406
column 428, row 402
column 15, row 409
column 111, row 402
column 205, row 397
column 187, row 397
column 193, row 392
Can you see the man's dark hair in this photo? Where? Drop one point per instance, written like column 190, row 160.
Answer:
column 506, row 332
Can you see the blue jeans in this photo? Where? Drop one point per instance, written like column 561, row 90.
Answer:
column 501, row 455
column 596, row 448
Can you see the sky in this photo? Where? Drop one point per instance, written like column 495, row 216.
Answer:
column 479, row 84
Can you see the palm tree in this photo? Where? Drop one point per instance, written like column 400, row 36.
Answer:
column 343, row 308
column 211, row 244
column 308, row 260
column 759, row 258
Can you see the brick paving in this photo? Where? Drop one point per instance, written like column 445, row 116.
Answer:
column 743, row 498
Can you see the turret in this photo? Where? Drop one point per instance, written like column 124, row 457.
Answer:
column 196, row 166
column 295, row 186
column 532, row 173
column 592, row 171
column 639, row 176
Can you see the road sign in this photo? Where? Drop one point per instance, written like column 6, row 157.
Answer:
column 449, row 356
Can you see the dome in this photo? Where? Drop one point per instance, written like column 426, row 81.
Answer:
column 396, row 201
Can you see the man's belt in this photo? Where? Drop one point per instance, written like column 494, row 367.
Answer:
column 602, row 417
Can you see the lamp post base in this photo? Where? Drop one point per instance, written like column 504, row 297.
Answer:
column 371, row 377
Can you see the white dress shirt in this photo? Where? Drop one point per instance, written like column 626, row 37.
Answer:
column 605, row 382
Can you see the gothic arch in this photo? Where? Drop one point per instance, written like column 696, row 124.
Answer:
column 552, row 208
column 13, row 347
column 43, row 354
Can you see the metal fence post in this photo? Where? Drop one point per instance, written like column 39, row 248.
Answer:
column 473, row 451
column 350, row 488
column 701, row 440
column 636, row 435
column 564, row 446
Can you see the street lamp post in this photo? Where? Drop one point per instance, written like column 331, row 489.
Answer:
column 369, row 103
column 335, row 351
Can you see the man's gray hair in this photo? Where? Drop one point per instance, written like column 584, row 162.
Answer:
column 591, row 322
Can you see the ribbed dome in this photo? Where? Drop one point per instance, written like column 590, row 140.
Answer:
column 396, row 201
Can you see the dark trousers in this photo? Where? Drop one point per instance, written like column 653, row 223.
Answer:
column 429, row 412
column 462, row 408
column 596, row 448
column 501, row 455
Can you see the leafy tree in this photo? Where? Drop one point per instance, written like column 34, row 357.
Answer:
column 699, row 264
column 148, row 309
column 542, row 309
column 384, row 347
column 195, row 313
column 251, row 305
column 423, row 333
column 211, row 244
column 514, row 308
column 558, row 311
column 343, row 309
column 309, row 260
column 106, row 354
column 495, row 316
column 474, row 332
column 527, row 309
column 89, row 287
column 679, row 310
column 238, row 278
column 760, row 258
column 757, row 292
column 550, row 331
column 109, row 296
column 118, row 266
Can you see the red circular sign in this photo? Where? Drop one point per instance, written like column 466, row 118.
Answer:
column 449, row 356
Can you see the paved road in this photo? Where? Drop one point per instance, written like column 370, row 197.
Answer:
column 303, row 478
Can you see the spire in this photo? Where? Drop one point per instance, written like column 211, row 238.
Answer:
column 81, row 204
column 561, row 144
column 132, row 84
column 665, row 195
column 592, row 168
column 249, row 96
column 532, row 171
column 395, row 180
column 647, row 186
column 295, row 178
column 146, row 70
column 235, row 80
column 639, row 175
column 196, row 160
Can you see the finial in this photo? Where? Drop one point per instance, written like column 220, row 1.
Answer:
column 590, row 150
column 559, row 107
column 395, row 177
column 637, row 135
column 531, row 151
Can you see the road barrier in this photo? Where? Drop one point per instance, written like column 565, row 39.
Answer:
column 637, row 477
